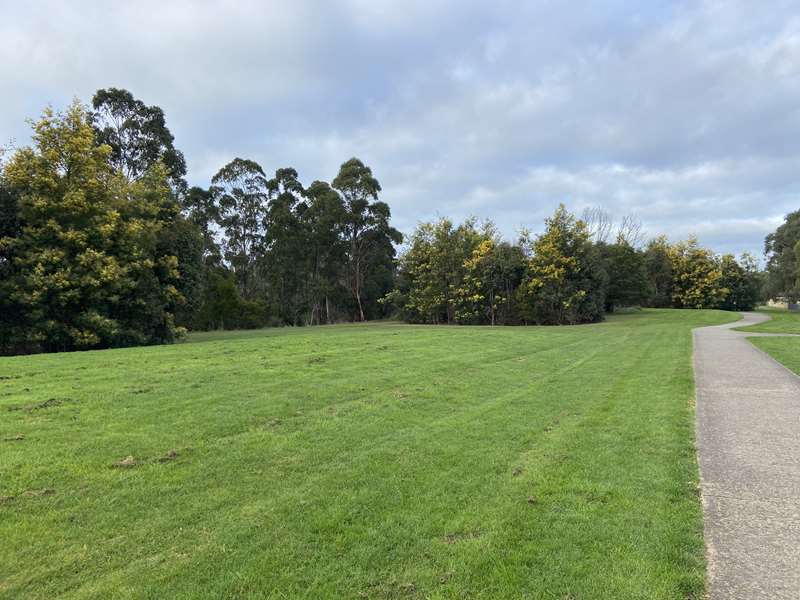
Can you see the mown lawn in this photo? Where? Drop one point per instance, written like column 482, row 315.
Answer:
column 781, row 321
column 785, row 350
column 376, row 461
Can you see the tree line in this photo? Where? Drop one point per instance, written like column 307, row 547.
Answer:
column 104, row 244
column 569, row 274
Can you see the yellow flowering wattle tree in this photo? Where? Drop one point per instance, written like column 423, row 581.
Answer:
column 697, row 277
column 84, row 267
column 565, row 282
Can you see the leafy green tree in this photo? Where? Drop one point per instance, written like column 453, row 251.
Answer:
column 565, row 281
column 137, row 135
column 742, row 280
column 85, row 262
column 324, row 221
column 286, row 262
column 240, row 194
column 223, row 308
column 13, row 321
column 697, row 278
column 782, row 248
column 433, row 269
column 658, row 264
column 202, row 210
column 491, row 277
column 369, row 235
column 182, row 238
column 628, row 283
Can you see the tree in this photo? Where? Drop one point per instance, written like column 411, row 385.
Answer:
column 782, row 248
column 697, row 278
column 627, row 275
column 202, row 210
column 223, row 308
column 12, row 314
column 565, row 282
column 742, row 280
column 433, row 269
column 137, row 135
column 366, row 224
column 240, row 194
column 85, row 263
column 183, row 239
column 324, row 221
column 286, row 262
column 599, row 224
column 658, row 264
column 491, row 276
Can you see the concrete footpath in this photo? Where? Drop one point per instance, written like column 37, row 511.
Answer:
column 748, row 433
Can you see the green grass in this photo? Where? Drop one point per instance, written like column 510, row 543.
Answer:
column 781, row 321
column 785, row 350
column 377, row 461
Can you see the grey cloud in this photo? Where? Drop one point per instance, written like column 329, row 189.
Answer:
column 683, row 113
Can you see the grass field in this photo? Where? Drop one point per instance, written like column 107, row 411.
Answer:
column 375, row 461
column 785, row 350
column 781, row 321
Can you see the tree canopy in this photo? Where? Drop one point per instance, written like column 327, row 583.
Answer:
column 103, row 243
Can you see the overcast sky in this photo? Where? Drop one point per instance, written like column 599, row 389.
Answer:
column 684, row 114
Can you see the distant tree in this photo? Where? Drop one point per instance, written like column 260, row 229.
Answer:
column 286, row 262
column 599, row 224
column 366, row 224
column 630, row 232
column 697, row 278
column 491, row 277
column 12, row 314
column 565, row 282
column 85, row 263
column 223, row 308
column 628, row 283
column 782, row 248
column 137, row 135
column 324, row 222
column 183, row 239
column 202, row 210
column 658, row 264
column 742, row 281
column 240, row 194
column 434, row 267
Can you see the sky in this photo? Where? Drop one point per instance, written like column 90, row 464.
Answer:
column 684, row 115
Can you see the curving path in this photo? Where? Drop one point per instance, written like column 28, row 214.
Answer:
column 748, row 434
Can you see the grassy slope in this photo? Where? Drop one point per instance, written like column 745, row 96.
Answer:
column 784, row 350
column 382, row 461
column 781, row 321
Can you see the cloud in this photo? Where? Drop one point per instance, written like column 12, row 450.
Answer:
column 683, row 113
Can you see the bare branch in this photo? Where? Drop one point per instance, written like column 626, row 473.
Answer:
column 630, row 231
column 599, row 222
